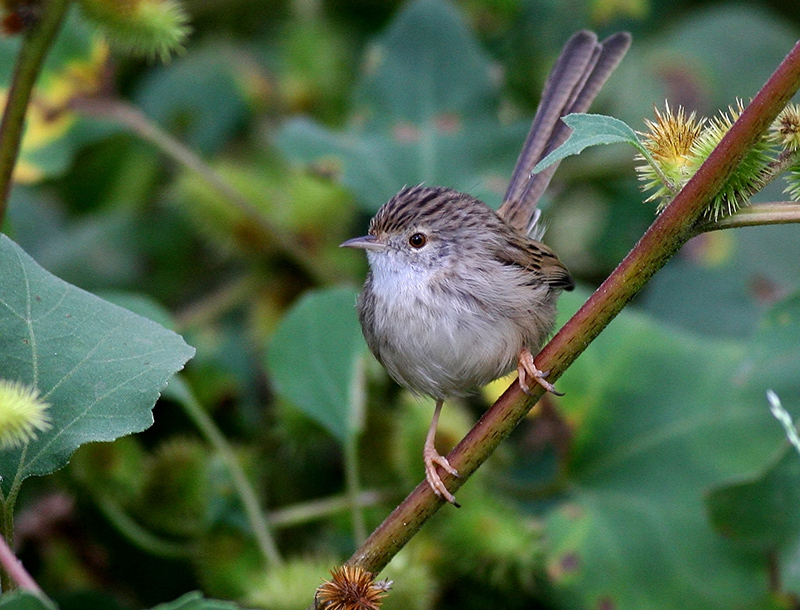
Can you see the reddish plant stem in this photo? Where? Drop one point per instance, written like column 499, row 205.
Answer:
column 661, row 241
column 14, row 568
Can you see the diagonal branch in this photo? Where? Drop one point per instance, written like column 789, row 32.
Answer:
column 663, row 239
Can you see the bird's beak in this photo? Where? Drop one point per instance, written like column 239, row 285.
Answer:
column 367, row 242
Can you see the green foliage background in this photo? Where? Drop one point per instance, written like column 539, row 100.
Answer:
column 660, row 480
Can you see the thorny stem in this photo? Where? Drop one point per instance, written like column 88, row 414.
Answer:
column 131, row 117
column 661, row 241
column 35, row 46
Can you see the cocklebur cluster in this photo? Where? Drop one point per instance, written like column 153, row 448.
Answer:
column 679, row 143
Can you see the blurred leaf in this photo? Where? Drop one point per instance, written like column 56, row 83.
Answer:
column 425, row 111
column 196, row 601
column 316, row 360
column 74, row 67
column 691, row 62
column 774, row 360
column 312, row 61
column 100, row 367
column 790, row 568
column 704, row 41
column 590, row 130
column 142, row 305
column 722, row 283
column 25, row 600
column 762, row 511
column 314, row 211
column 204, row 97
column 659, row 417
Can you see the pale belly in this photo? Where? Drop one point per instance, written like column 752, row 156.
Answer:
column 447, row 350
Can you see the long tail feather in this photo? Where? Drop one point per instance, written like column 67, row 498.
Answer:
column 575, row 80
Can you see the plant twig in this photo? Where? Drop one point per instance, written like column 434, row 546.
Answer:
column 35, row 46
column 354, row 488
column 14, row 568
column 660, row 242
column 207, row 427
column 134, row 119
column 322, row 509
column 757, row 214
column 135, row 533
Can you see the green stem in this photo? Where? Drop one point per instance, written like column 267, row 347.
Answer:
column 135, row 533
column 757, row 214
column 354, row 488
column 8, row 504
column 673, row 227
column 260, row 226
column 6, row 582
column 35, row 46
column 305, row 512
column 211, row 307
column 252, row 508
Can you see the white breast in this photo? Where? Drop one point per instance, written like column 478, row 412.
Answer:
column 436, row 342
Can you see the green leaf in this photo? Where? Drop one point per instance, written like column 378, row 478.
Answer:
column 25, row 600
column 761, row 511
column 768, row 511
column 196, row 601
column 100, row 367
column 725, row 281
column 591, row 130
column 659, row 417
column 202, row 94
column 425, row 111
column 316, row 359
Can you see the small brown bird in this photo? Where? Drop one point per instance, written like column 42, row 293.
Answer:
column 457, row 294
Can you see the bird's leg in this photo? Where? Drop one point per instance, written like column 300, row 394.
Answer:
column 432, row 458
column 527, row 369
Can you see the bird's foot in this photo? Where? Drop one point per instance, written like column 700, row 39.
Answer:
column 527, row 370
column 432, row 458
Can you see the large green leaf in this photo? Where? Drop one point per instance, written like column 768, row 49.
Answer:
column 659, row 417
column 100, row 367
column 316, row 360
column 424, row 111
column 722, row 283
column 762, row 511
column 760, row 508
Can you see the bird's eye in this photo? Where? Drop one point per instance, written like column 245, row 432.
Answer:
column 417, row 240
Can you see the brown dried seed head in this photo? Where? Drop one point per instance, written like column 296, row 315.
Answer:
column 351, row 588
